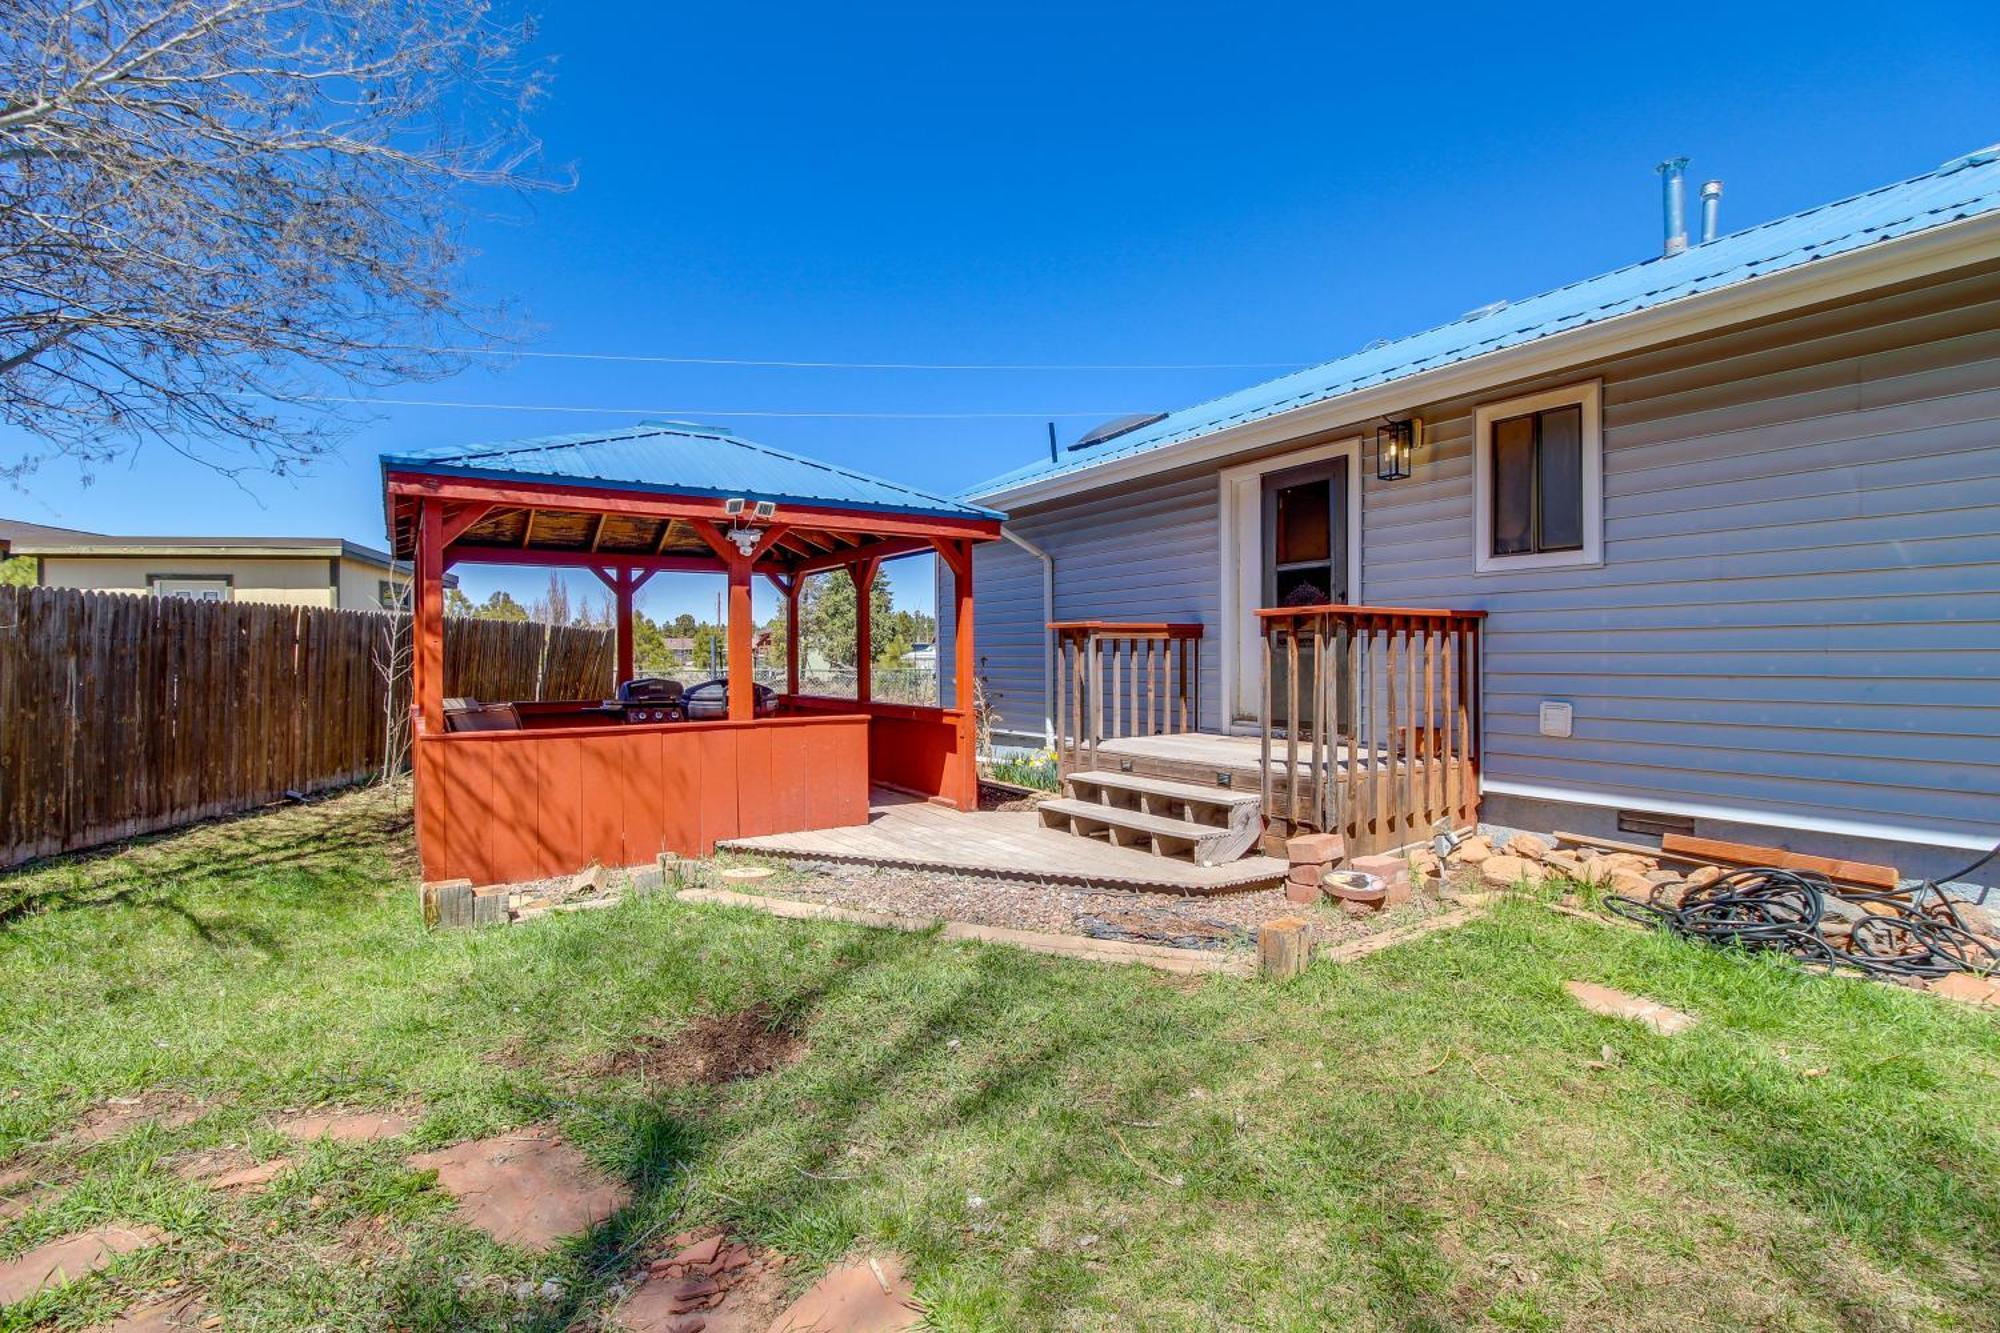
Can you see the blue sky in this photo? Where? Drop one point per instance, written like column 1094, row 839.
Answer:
column 1156, row 185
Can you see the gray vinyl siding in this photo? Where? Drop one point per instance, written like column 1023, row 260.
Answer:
column 1148, row 554
column 1799, row 606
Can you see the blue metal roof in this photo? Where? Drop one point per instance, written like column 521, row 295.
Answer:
column 1963, row 188
column 676, row 458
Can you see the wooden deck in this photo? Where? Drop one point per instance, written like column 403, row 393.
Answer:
column 1008, row 844
column 1203, row 756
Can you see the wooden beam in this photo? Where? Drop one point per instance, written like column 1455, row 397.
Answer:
column 863, row 572
column 508, row 555
column 724, row 549
column 767, row 541
column 957, row 555
column 964, row 696
column 650, row 504
column 792, row 590
column 882, row 550
column 462, row 519
column 427, row 625
column 528, row 528
column 597, row 532
column 742, row 697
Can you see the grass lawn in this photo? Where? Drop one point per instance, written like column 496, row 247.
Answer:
column 1435, row 1137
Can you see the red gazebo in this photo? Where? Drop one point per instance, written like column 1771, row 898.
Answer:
column 563, row 783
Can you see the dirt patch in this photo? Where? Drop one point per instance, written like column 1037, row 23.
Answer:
column 231, row 1169
column 168, row 1110
column 713, row 1049
column 346, row 1126
column 702, row 1280
column 528, row 1188
column 1006, row 796
column 175, row 1314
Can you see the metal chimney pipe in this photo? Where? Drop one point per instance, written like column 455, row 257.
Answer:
column 1711, row 210
column 1673, row 201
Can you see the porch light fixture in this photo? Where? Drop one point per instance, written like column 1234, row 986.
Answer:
column 1395, row 444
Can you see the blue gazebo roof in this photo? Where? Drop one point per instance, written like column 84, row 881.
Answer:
column 678, row 458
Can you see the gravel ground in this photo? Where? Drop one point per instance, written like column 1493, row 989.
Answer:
column 1222, row 921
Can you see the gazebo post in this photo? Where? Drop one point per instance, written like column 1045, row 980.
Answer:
column 961, row 647
column 742, row 700
column 958, row 555
column 427, row 620
column 863, row 572
column 792, row 589
column 622, row 591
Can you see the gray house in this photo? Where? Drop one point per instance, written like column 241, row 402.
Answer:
column 1731, row 515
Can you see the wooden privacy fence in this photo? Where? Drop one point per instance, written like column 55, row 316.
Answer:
column 1371, row 721
column 1117, row 678
column 123, row 714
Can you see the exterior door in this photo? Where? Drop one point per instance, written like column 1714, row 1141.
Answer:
column 1304, row 555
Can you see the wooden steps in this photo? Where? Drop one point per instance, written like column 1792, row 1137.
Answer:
column 1207, row 825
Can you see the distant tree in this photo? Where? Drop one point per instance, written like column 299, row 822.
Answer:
column 218, row 215
column 553, row 607
column 891, row 654
column 684, row 626
column 827, row 613
column 711, row 650
column 500, row 605
column 456, row 603
column 17, row 572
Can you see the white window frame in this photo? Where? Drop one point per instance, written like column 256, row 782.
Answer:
column 194, row 587
column 1241, row 520
column 1589, row 396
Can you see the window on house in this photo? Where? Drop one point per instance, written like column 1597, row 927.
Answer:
column 199, row 590
column 1539, row 481
column 391, row 595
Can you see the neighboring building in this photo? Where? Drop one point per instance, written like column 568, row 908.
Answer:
column 925, row 655
column 296, row 571
column 1737, row 506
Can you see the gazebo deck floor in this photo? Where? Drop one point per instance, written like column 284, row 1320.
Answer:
column 911, row 833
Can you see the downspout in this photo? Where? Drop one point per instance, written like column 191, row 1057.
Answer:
column 1048, row 635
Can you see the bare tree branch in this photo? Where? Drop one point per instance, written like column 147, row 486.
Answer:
column 213, row 210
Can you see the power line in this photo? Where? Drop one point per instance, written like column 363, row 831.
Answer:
column 685, row 413
column 855, row 365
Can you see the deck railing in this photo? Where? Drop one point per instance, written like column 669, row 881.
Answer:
column 1370, row 721
column 1123, row 678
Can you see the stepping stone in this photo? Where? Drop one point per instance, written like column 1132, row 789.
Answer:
column 528, row 1188
column 72, row 1257
column 1634, row 1008
column 870, row 1295
column 747, row 874
column 346, row 1126
column 175, row 1315
column 115, row 1116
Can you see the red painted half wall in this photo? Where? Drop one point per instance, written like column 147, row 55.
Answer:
column 503, row 806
